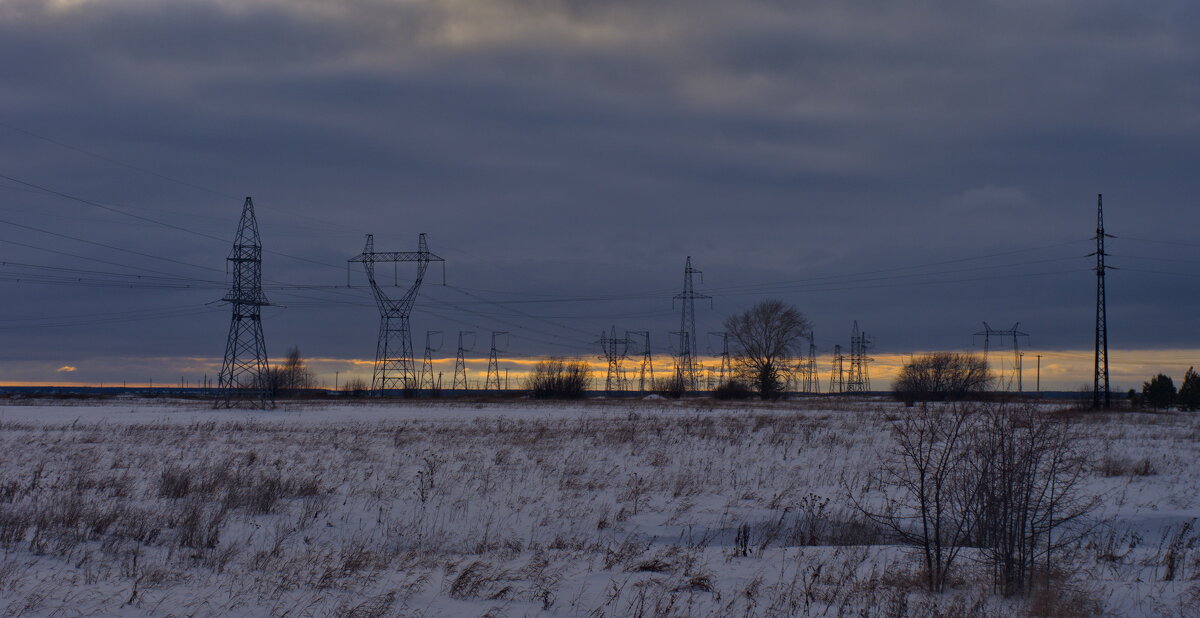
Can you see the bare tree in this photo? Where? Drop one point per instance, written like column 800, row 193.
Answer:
column 934, row 503
column 1029, row 470
column 356, row 386
column 1001, row 479
column 292, row 375
column 767, row 338
column 941, row 376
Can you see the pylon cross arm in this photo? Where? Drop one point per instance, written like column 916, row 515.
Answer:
column 396, row 256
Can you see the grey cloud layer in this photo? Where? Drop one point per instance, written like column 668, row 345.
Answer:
column 569, row 147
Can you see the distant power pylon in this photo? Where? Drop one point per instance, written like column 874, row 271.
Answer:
column 685, row 363
column 243, row 378
column 393, row 352
column 1100, row 374
column 427, row 380
column 492, row 380
column 460, row 362
column 837, row 373
column 859, row 379
column 725, row 372
column 809, row 384
column 613, row 350
column 646, row 372
column 1002, row 335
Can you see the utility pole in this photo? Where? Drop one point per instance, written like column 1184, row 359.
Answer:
column 244, row 372
column 1100, row 374
column 685, row 364
column 460, row 363
column 1039, row 374
column 493, row 370
column 427, row 364
column 393, row 352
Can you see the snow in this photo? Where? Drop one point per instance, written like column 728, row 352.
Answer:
column 611, row 508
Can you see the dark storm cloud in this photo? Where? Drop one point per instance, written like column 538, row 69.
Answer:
column 583, row 148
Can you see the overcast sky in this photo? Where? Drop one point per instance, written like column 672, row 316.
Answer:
column 919, row 167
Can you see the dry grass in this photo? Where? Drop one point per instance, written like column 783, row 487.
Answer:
column 678, row 509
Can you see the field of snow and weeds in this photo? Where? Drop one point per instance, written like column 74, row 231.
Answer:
column 603, row 509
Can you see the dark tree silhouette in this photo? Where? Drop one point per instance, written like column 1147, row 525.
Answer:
column 1159, row 392
column 767, row 338
column 1189, row 391
column 941, row 376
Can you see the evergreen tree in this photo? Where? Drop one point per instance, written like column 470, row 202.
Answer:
column 1189, row 391
column 1159, row 392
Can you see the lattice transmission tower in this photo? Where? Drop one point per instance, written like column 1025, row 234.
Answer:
column 858, row 379
column 1100, row 374
column 460, row 361
column 725, row 368
column 243, row 378
column 427, row 381
column 685, row 361
column 492, row 379
column 614, row 350
column 1013, row 335
column 809, row 383
column 393, row 353
column 646, row 371
column 837, row 372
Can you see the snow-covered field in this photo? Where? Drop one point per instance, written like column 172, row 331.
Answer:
column 601, row 509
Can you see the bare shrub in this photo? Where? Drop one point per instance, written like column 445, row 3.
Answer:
column 942, row 376
column 936, row 495
column 672, row 387
column 732, row 389
column 1001, row 478
column 558, row 378
column 1029, row 472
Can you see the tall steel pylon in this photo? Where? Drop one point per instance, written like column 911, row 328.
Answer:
column 427, row 381
column 646, row 372
column 460, row 361
column 393, row 352
column 1015, row 335
column 685, row 363
column 808, row 370
column 492, row 380
column 243, row 378
column 859, row 379
column 837, row 373
column 1100, row 374
column 614, row 350
column 725, row 370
